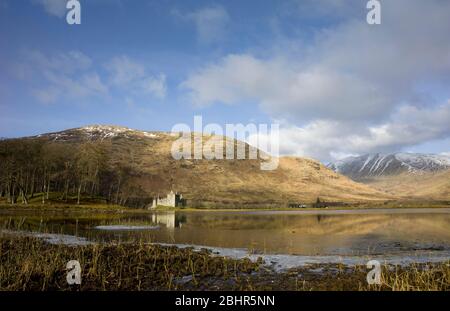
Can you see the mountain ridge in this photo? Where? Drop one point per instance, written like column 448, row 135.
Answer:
column 409, row 175
column 137, row 164
column 379, row 164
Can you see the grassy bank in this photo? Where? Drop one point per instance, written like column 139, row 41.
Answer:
column 30, row 264
column 103, row 207
column 88, row 203
column 54, row 202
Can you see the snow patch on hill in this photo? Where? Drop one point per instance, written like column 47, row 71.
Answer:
column 416, row 162
column 97, row 132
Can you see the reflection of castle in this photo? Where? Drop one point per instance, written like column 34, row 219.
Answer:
column 168, row 219
column 172, row 200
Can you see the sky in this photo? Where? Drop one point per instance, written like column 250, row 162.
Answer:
column 336, row 85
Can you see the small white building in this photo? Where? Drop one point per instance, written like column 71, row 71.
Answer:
column 172, row 200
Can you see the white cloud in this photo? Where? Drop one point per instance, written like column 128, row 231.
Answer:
column 330, row 9
column 60, row 76
column 354, row 88
column 285, row 89
column 63, row 87
column 73, row 75
column 210, row 22
column 68, row 63
column 124, row 71
column 331, row 139
column 156, row 86
column 53, row 7
column 132, row 76
column 94, row 82
column 47, row 96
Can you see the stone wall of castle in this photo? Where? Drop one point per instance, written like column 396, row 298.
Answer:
column 172, row 200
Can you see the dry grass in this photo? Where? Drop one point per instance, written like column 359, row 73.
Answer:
column 29, row 264
column 432, row 185
column 418, row 277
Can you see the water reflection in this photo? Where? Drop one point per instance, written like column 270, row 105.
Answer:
column 320, row 233
column 170, row 220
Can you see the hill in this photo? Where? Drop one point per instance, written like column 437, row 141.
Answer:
column 426, row 185
column 130, row 167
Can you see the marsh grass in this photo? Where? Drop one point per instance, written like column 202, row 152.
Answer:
column 29, row 264
column 414, row 277
column 419, row 277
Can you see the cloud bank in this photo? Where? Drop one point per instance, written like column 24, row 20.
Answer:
column 356, row 89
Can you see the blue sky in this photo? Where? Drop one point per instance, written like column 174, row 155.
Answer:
column 336, row 85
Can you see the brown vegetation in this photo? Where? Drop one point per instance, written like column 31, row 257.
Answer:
column 30, row 264
column 426, row 185
column 132, row 167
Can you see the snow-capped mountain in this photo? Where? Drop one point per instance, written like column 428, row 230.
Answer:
column 374, row 165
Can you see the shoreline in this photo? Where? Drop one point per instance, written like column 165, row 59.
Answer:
column 121, row 209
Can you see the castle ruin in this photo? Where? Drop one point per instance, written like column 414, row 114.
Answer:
column 172, row 200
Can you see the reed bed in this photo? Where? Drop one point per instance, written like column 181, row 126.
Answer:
column 30, row 264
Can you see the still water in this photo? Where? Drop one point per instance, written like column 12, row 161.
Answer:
column 309, row 233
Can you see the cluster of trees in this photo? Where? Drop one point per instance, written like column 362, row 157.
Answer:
column 33, row 167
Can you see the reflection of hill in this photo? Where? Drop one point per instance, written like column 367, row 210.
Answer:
column 316, row 234
column 327, row 224
column 307, row 234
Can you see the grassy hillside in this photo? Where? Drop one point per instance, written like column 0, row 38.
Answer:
column 126, row 166
column 427, row 185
